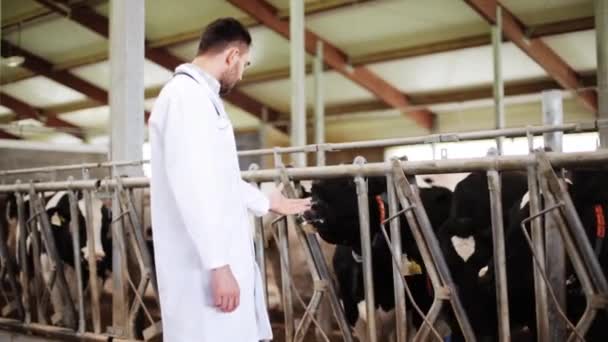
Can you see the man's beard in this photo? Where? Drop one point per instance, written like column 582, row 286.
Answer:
column 227, row 82
column 226, row 87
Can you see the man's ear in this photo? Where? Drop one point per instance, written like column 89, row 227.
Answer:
column 231, row 55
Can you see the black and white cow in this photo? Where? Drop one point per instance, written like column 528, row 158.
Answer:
column 466, row 242
column 58, row 210
column 335, row 216
column 589, row 193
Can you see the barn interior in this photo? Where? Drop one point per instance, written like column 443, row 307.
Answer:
column 449, row 84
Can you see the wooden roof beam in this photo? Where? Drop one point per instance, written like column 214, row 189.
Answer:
column 25, row 111
column 92, row 20
column 535, row 48
column 337, row 59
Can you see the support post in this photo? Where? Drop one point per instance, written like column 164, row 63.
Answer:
column 400, row 308
column 500, row 266
column 127, row 123
column 536, row 227
column 555, row 254
column 319, row 107
column 601, row 35
column 366, row 250
column 499, row 87
column 298, row 79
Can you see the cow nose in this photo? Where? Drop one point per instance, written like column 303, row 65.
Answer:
column 99, row 257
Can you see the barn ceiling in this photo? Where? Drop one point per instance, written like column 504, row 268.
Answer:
column 421, row 48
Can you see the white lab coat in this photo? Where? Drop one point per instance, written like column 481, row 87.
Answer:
column 199, row 216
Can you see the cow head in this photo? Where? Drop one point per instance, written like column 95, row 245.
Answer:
column 335, row 211
column 58, row 209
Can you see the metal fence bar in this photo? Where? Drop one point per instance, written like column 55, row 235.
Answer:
column 400, row 308
column 74, row 227
column 31, row 229
column 23, row 263
column 366, row 250
column 433, row 138
column 503, row 163
column 540, row 288
column 500, row 267
column 92, row 262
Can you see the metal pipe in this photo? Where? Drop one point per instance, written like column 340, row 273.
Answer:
column 366, row 250
column 556, row 259
column 601, row 34
column 74, row 227
column 499, row 86
column 92, row 262
column 142, row 248
column 23, row 263
column 590, row 126
column 504, row 163
column 400, row 308
column 287, row 299
column 540, row 289
column 444, row 137
column 73, row 167
column 498, row 236
column 36, row 248
column 319, row 106
column 298, row 78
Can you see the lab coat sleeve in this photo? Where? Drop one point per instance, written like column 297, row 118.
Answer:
column 194, row 169
column 254, row 199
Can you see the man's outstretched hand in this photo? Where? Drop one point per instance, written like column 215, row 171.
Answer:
column 286, row 206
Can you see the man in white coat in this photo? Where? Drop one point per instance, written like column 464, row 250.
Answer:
column 209, row 283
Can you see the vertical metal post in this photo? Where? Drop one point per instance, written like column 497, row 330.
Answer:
column 92, row 262
column 499, row 91
column 400, row 308
column 298, row 79
column 500, row 266
column 39, row 287
column 127, row 35
column 263, row 137
column 538, row 239
column 319, row 107
column 74, row 227
column 366, row 250
column 259, row 241
column 555, row 253
column 23, row 263
column 283, row 246
column 601, row 34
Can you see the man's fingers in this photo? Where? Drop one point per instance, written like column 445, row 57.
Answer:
column 229, row 304
column 219, row 301
column 237, row 301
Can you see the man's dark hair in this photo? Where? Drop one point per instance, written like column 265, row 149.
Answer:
column 221, row 33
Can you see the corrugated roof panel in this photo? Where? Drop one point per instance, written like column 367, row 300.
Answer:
column 381, row 25
column 539, row 12
column 577, row 49
column 42, row 92
column 337, row 89
column 99, row 74
column 59, row 40
column 454, row 69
